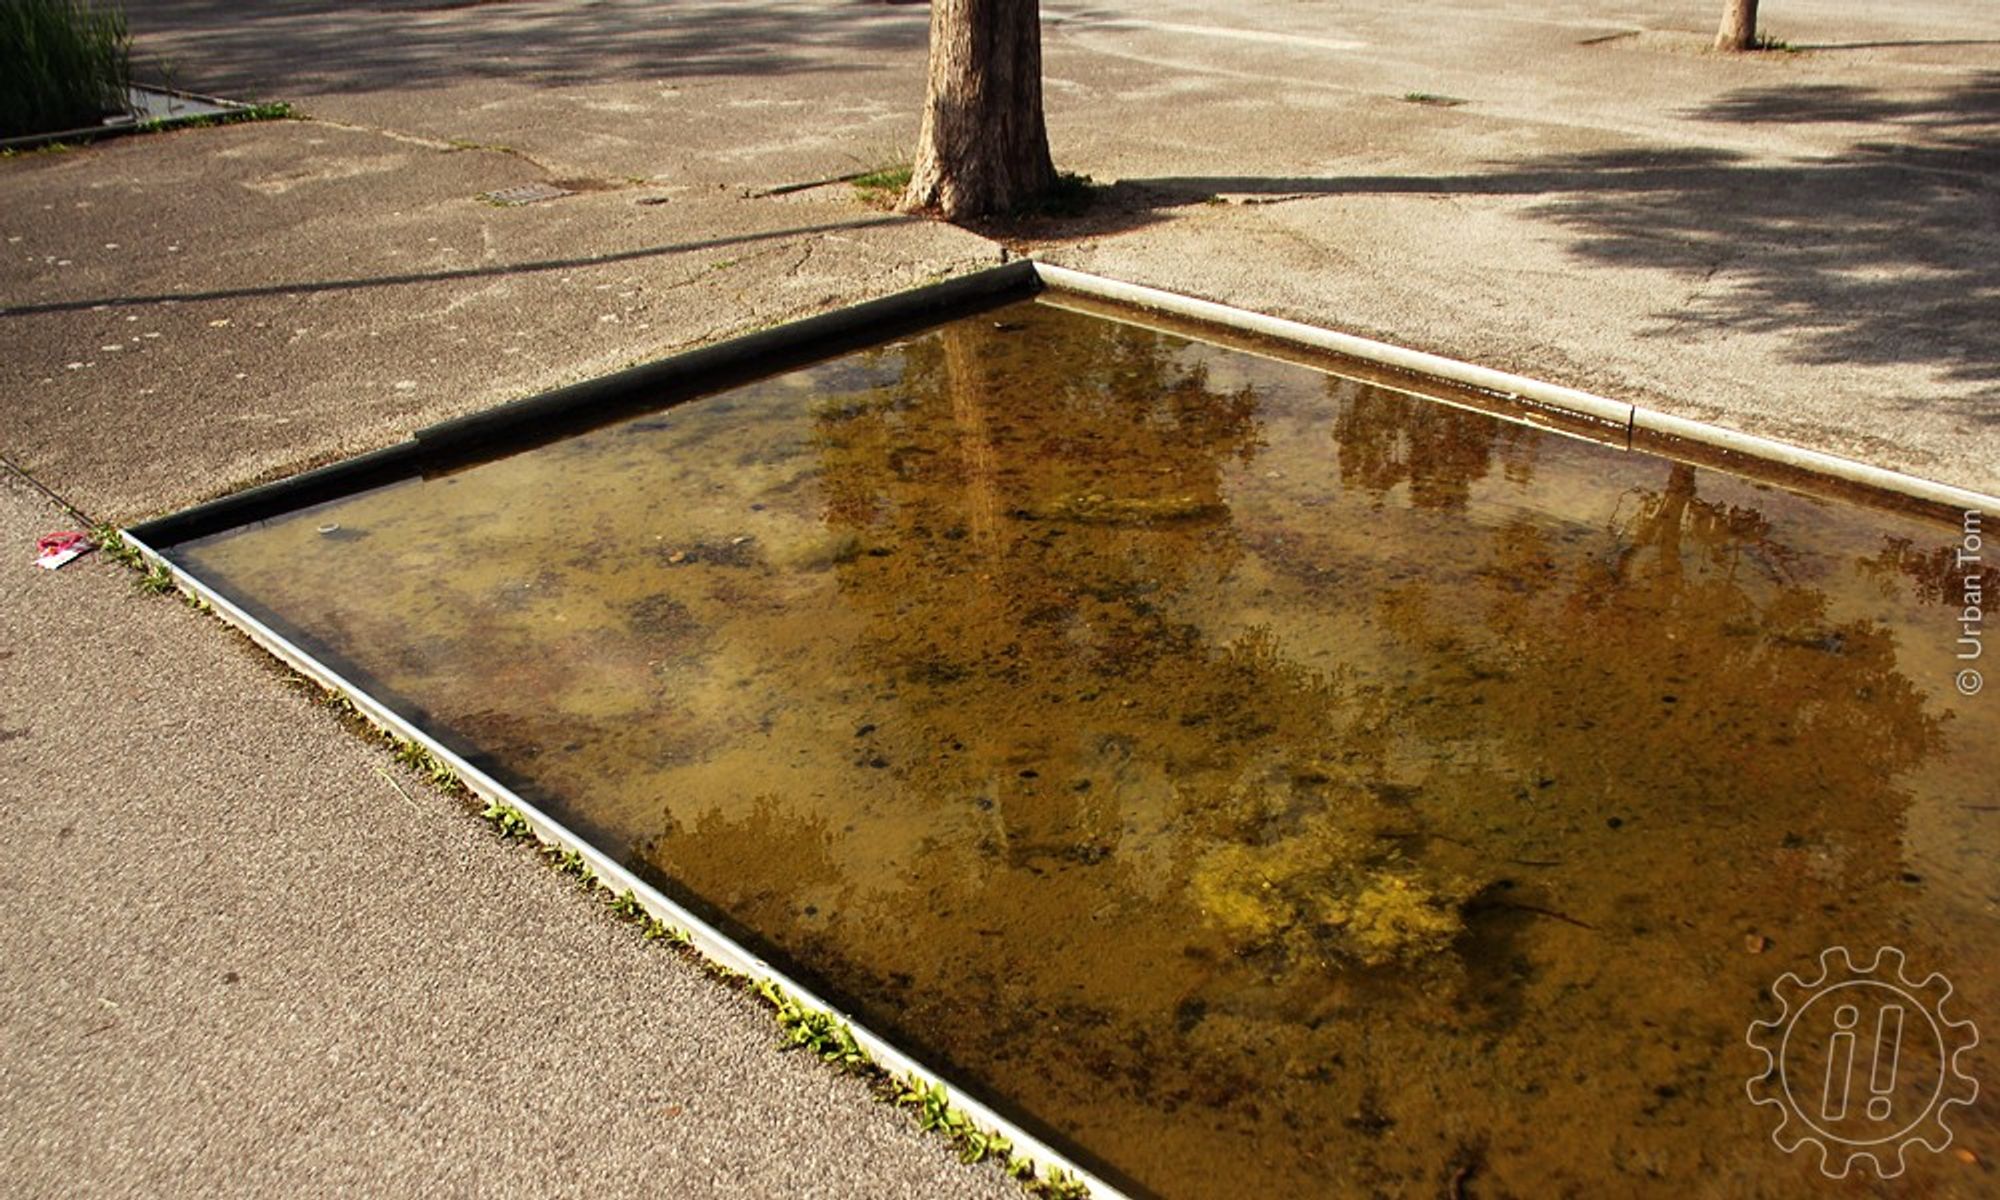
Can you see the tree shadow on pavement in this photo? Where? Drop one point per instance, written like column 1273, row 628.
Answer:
column 296, row 47
column 1887, row 253
column 308, row 287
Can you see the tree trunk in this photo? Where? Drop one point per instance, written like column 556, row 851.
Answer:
column 984, row 148
column 1739, row 26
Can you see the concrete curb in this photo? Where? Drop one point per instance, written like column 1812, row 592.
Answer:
column 229, row 111
column 1597, row 409
column 1644, row 429
column 541, row 418
column 538, row 419
column 535, row 420
column 711, row 942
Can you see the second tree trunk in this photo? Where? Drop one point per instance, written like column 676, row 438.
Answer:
column 1739, row 25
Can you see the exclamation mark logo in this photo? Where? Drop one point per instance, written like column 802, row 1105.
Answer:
column 1840, row 1061
column 1836, row 1068
column 1888, row 1047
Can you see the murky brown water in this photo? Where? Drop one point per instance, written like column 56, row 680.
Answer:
column 1277, row 785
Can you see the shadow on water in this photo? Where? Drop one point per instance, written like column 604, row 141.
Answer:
column 1276, row 785
column 1887, row 253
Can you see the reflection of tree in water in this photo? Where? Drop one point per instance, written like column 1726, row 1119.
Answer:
column 1120, row 808
column 1058, row 649
column 712, row 846
column 1934, row 575
column 1050, row 492
column 1665, row 735
column 1687, row 678
column 1161, row 881
column 1388, row 439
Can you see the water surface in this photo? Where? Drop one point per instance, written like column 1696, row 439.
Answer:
column 1278, row 785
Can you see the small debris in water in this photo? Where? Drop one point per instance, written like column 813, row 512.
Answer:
column 338, row 533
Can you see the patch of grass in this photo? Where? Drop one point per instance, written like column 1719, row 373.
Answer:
column 44, row 148
column 570, row 862
column 656, row 930
column 64, row 64
column 435, row 770
column 1432, row 99
column 930, row 1104
column 277, row 111
column 1071, row 195
column 820, row 1032
column 116, row 548
column 935, row 1113
column 507, row 820
column 882, row 186
column 153, row 578
column 895, row 177
column 157, row 581
column 1765, row 41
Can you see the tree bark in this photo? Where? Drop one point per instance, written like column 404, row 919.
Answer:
column 1739, row 26
column 984, row 148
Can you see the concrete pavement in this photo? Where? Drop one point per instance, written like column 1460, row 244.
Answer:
column 1805, row 246
column 1799, row 245
column 246, row 954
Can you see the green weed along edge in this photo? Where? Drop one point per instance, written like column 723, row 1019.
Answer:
column 800, row 1026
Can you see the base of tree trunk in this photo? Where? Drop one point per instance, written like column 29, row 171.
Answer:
column 951, row 195
column 984, row 150
column 979, row 189
column 1739, row 26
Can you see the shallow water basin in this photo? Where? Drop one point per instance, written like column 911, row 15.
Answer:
column 1265, row 781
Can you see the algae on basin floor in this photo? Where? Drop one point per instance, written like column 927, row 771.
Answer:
column 1274, row 784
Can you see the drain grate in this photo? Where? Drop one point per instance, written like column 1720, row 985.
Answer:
column 526, row 193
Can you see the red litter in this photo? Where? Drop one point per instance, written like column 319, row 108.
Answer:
column 55, row 549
